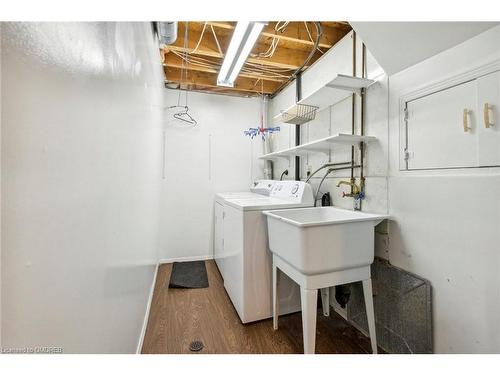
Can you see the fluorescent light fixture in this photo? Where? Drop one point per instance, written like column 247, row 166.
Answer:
column 244, row 37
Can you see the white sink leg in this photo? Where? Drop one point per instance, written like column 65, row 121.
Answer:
column 370, row 314
column 309, row 301
column 325, row 301
column 275, row 297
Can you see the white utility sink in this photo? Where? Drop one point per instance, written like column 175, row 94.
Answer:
column 322, row 239
column 320, row 247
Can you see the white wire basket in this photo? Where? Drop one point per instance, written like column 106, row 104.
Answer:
column 298, row 114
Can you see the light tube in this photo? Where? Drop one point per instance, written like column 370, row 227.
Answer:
column 244, row 37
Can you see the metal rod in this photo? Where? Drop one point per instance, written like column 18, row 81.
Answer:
column 349, row 167
column 362, row 124
column 353, row 104
column 326, row 166
column 298, row 96
column 324, row 177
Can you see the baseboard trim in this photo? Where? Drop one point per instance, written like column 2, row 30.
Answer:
column 186, row 259
column 146, row 316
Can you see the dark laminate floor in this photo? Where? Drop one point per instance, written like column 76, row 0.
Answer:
column 179, row 316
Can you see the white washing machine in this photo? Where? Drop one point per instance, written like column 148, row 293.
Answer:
column 241, row 247
column 259, row 189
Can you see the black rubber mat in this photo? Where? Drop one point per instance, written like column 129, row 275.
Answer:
column 189, row 275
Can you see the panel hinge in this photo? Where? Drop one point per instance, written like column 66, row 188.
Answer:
column 407, row 154
column 405, row 111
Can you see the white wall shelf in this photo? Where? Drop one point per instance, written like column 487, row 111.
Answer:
column 323, row 145
column 339, row 88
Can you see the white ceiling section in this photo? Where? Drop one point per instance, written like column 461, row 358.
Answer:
column 399, row 45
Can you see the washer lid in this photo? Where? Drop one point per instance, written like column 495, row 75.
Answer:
column 237, row 194
column 258, row 189
column 264, row 203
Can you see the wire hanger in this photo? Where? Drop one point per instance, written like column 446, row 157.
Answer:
column 183, row 113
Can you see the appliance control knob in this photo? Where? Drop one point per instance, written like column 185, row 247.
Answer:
column 295, row 188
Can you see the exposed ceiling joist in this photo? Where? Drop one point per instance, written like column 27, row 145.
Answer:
column 295, row 33
column 283, row 58
column 274, row 58
column 286, row 60
column 208, row 80
column 174, row 61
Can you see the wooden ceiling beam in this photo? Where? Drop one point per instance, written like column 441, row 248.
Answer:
column 283, row 57
column 204, row 79
column 174, row 61
column 296, row 32
column 213, row 89
column 224, row 91
column 343, row 25
column 281, row 63
column 294, row 46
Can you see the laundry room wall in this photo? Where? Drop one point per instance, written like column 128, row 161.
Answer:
column 81, row 170
column 200, row 161
column 445, row 223
column 337, row 119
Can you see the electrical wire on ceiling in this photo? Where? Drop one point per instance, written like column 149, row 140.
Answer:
column 319, row 32
column 269, row 72
column 280, row 27
column 199, row 40
column 310, row 37
column 250, row 69
column 216, row 40
column 270, row 51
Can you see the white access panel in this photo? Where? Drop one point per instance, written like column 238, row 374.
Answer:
column 219, row 237
column 435, row 129
column 488, row 104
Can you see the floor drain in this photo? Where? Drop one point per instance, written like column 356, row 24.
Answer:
column 195, row 346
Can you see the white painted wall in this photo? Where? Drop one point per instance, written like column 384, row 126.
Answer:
column 337, row 119
column 212, row 157
column 399, row 45
column 446, row 223
column 81, row 170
